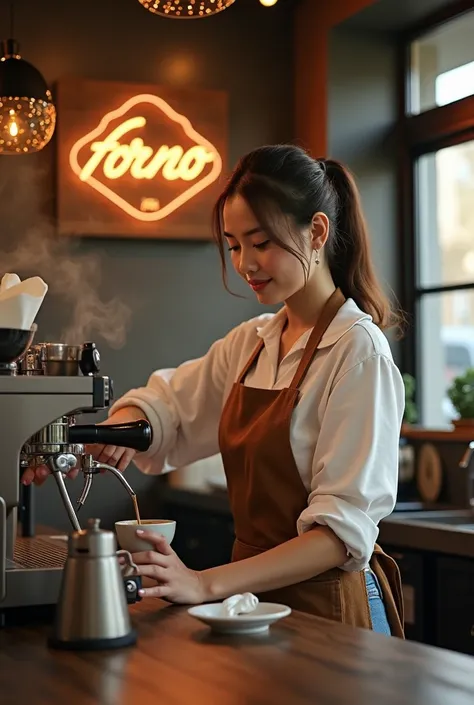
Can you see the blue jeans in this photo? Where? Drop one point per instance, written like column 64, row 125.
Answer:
column 377, row 608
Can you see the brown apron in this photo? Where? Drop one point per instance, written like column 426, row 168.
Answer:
column 267, row 494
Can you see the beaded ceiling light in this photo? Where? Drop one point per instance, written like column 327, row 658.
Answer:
column 27, row 112
column 186, row 9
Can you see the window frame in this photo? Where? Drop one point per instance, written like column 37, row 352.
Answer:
column 416, row 135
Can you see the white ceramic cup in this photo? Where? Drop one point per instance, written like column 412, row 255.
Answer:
column 127, row 533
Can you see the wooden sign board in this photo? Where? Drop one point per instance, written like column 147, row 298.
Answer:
column 138, row 160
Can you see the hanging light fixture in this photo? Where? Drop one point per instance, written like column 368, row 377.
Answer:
column 27, row 112
column 186, row 9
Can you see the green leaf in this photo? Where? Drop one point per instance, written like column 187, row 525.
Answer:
column 461, row 394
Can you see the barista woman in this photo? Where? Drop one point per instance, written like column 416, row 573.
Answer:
column 304, row 405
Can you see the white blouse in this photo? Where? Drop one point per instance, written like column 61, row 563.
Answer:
column 344, row 431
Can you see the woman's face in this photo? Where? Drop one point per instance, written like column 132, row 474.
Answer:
column 273, row 273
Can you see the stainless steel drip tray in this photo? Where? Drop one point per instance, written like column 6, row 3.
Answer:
column 31, row 587
column 33, row 578
column 40, row 552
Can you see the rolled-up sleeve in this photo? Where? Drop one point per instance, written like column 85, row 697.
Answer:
column 183, row 406
column 355, row 464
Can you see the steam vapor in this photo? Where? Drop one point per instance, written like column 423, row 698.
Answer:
column 29, row 246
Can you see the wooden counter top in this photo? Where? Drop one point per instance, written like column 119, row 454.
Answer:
column 177, row 661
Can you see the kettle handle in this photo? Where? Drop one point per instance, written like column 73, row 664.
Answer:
column 132, row 581
column 130, row 568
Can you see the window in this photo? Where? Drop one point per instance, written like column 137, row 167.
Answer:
column 446, row 322
column 442, row 65
column 445, row 216
column 438, row 129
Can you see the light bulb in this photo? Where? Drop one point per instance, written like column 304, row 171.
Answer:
column 12, row 125
column 186, row 9
column 26, row 124
column 27, row 111
column 268, row 3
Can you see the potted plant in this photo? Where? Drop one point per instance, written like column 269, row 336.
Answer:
column 461, row 394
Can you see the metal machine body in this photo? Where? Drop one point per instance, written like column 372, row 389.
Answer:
column 43, row 390
column 30, row 567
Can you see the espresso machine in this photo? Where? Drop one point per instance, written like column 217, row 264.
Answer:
column 44, row 390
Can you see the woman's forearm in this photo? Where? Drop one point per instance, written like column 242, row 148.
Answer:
column 291, row 562
column 125, row 414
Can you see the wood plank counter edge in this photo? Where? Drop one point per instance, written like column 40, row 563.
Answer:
column 302, row 660
column 460, row 434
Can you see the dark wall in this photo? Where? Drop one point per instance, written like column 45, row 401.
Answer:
column 174, row 292
column 362, row 109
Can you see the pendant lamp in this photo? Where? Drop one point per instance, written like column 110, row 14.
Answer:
column 27, row 111
column 186, row 9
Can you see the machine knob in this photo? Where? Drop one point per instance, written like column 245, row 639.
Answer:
column 90, row 359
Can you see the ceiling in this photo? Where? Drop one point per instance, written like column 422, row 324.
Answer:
column 395, row 15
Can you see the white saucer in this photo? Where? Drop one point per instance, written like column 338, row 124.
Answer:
column 259, row 620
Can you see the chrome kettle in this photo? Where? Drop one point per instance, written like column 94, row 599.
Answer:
column 92, row 611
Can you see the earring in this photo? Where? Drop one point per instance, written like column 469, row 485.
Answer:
column 316, row 256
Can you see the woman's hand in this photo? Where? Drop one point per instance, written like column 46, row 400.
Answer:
column 112, row 455
column 117, row 456
column 175, row 582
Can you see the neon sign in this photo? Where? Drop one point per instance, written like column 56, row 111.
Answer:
column 109, row 155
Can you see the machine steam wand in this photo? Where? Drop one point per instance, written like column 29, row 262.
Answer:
column 91, row 467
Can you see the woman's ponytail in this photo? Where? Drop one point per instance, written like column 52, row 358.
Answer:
column 348, row 249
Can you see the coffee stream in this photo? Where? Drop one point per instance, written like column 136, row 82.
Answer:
column 135, row 506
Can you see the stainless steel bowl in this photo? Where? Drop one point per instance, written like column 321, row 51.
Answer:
column 58, row 359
